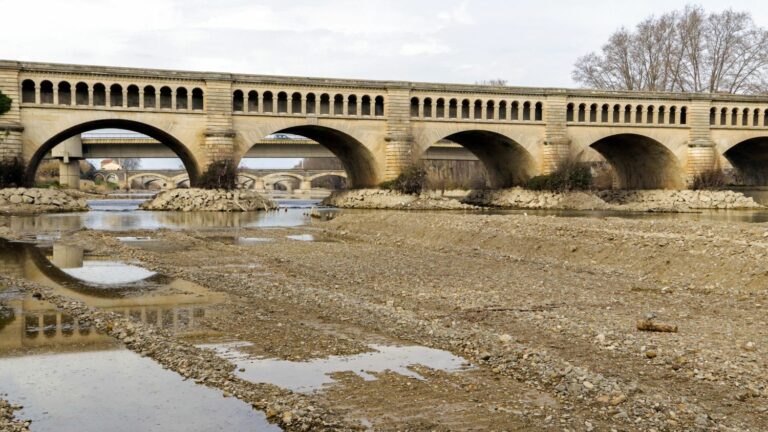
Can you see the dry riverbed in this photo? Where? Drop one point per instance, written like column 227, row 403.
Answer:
column 543, row 310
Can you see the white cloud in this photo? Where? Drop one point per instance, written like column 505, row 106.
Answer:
column 459, row 14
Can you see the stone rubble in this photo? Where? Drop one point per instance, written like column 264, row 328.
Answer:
column 387, row 199
column 187, row 200
column 38, row 200
column 8, row 422
column 615, row 200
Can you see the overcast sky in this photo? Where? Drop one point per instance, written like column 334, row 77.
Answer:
column 530, row 43
column 527, row 43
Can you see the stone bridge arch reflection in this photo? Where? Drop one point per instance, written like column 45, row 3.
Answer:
column 153, row 299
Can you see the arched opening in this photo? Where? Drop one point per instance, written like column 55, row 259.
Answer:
column 312, row 104
column 329, row 181
column 28, row 91
column 593, row 113
column 352, row 105
column 514, row 111
column 197, row 99
column 502, row 110
column 649, row 114
column 253, row 101
column 379, row 106
column 133, row 96
column 365, row 105
column 46, row 92
column 65, row 93
column 282, row 102
column 639, row 114
column 617, row 113
column 181, row 98
column 440, row 108
column 116, row 95
column 338, row 105
column 582, row 113
column 176, row 146
column 504, row 162
column 628, row 114
column 749, row 159
column 238, row 101
column 296, row 103
column 478, row 111
column 640, row 162
column 712, row 116
column 81, row 93
column 268, row 102
column 325, row 104
column 414, row 107
column 453, row 108
column 604, row 114
column 150, row 97
column 662, row 115
column 351, row 155
column 723, row 116
column 99, row 95
column 428, row 107
column 526, row 111
column 465, row 109
column 166, row 98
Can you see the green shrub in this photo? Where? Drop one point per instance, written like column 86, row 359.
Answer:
column 11, row 173
column 411, row 181
column 569, row 176
column 221, row 174
column 5, row 103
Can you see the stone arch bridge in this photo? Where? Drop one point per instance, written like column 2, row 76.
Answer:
column 261, row 180
column 376, row 128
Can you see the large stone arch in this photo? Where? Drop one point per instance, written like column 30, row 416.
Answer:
column 641, row 162
column 507, row 161
column 750, row 160
column 360, row 147
column 182, row 151
column 154, row 176
column 270, row 176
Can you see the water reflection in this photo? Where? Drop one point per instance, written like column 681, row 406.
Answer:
column 314, row 374
column 173, row 304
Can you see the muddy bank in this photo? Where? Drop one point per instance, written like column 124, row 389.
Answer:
column 37, row 200
column 386, row 199
column 617, row 200
column 188, row 200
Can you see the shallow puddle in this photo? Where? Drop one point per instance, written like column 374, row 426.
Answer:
column 127, row 289
column 312, row 375
column 116, row 390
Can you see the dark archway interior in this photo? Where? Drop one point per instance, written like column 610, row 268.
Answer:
column 641, row 162
column 358, row 161
column 163, row 137
column 507, row 162
column 750, row 159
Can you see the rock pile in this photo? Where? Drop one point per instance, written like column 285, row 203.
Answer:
column 620, row 200
column 528, row 199
column 208, row 200
column 8, row 422
column 387, row 199
column 678, row 199
column 33, row 200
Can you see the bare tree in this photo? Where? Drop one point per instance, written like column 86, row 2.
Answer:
column 687, row 51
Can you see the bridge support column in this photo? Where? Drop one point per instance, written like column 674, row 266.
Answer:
column 69, row 153
column 305, row 186
column 69, row 174
column 556, row 146
column 220, row 134
column 399, row 139
column 10, row 122
column 259, row 185
column 702, row 155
